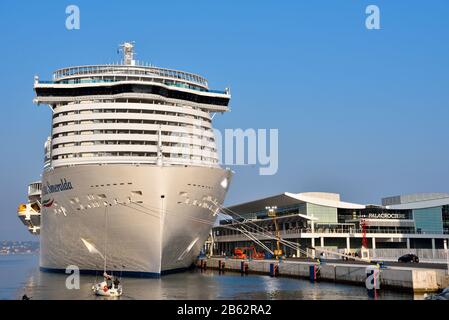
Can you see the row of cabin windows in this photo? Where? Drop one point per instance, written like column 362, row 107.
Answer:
column 139, row 132
column 139, row 111
column 133, row 121
column 134, row 154
column 131, row 142
column 127, row 100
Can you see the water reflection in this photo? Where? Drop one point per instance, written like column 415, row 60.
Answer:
column 203, row 285
column 20, row 275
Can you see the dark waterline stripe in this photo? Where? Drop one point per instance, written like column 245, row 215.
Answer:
column 132, row 274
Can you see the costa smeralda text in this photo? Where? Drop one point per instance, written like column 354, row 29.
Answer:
column 57, row 187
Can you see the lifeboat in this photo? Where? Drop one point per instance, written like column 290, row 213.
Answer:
column 30, row 213
column 30, row 216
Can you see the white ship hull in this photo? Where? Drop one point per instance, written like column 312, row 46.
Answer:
column 157, row 218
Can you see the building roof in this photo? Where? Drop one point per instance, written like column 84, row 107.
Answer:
column 322, row 199
column 287, row 199
column 412, row 198
column 420, row 204
column 269, row 220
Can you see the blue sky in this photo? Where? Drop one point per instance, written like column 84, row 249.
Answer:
column 360, row 112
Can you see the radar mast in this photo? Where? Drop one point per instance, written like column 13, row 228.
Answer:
column 128, row 53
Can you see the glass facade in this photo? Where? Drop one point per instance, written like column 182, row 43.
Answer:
column 345, row 215
column 428, row 220
column 446, row 218
column 372, row 212
column 322, row 213
column 284, row 211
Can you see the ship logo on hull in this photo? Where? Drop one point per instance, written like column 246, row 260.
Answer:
column 52, row 188
column 48, row 203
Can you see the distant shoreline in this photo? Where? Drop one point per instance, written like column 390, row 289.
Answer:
column 9, row 247
column 19, row 253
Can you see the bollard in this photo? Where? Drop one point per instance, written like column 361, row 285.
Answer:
column 272, row 269
column 246, row 267
column 242, row 267
column 219, row 265
column 314, row 273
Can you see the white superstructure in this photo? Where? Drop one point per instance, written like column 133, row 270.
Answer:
column 131, row 166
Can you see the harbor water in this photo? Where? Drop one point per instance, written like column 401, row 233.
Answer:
column 19, row 274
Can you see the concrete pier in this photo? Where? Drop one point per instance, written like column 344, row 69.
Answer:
column 412, row 279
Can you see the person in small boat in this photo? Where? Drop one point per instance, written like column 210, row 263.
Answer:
column 108, row 280
column 116, row 282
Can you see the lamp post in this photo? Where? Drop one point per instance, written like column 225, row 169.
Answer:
column 271, row 210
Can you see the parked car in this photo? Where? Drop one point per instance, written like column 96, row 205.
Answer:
column 409, row 257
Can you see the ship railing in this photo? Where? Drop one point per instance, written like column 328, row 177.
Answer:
column 129, row 70
column 76, row 81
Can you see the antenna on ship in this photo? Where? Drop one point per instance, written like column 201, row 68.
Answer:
column 127, row 49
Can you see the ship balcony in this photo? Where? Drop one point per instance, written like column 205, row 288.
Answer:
column 35, row 189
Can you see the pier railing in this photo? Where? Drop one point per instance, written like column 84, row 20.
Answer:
column 292, row 233
column 424, row 255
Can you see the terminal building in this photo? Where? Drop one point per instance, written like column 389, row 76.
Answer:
column 407, row 223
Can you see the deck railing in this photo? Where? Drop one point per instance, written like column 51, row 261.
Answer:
column 129, row 70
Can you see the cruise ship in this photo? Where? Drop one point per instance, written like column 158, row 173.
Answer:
column 131, row 168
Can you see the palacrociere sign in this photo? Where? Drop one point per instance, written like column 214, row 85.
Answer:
column 385, row 215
